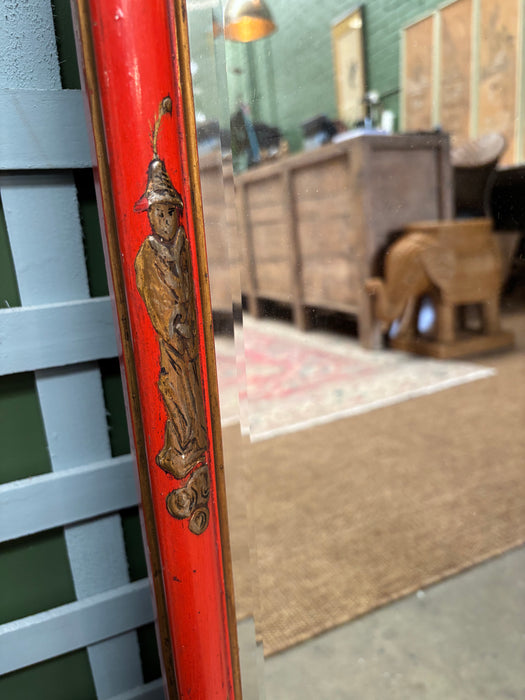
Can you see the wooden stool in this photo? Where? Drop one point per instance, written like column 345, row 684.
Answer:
column 458, row 264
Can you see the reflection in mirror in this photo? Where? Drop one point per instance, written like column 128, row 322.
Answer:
column 375, row 156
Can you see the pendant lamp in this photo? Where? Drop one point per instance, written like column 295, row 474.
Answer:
column 247, row 20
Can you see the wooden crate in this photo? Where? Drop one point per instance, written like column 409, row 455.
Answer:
column 312, row 224
column 218, row 204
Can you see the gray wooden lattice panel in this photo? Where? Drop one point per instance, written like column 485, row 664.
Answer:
column 52, row 500
column 43, row 127
column 39, row 637
column 53, row 335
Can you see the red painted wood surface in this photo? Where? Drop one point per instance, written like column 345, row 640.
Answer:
column 137, row 66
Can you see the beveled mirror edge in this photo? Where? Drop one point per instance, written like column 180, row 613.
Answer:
column 181, row 25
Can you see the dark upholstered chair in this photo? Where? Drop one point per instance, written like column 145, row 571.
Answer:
column 474, row 163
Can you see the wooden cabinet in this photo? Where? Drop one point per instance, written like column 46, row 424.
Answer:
column 312, row 224
column 218, row 205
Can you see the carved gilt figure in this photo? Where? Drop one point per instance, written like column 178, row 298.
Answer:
column 165, row 283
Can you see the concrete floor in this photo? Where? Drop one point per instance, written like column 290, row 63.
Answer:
column 462, row 639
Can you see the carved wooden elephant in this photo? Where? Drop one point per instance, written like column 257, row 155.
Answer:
column 457, row 262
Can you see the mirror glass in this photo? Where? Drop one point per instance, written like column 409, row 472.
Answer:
column 362, row 177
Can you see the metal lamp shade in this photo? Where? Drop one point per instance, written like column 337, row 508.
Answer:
column 247, row 20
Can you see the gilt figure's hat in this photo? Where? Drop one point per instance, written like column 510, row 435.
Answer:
column 159, row 189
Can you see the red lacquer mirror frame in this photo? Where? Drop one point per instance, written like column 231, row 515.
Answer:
column 137, row 83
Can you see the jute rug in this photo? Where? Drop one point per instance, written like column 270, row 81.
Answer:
column 352, row 514
column 295, row 380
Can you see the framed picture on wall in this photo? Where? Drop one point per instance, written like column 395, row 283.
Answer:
column 349, row 65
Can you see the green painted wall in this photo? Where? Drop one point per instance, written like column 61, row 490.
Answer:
column 293, row 69
column 205, row 54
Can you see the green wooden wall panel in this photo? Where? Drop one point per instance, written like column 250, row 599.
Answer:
column 94, row 251
column 9, row 296
column 63, row 678
column 35, row 575
column 116, row 411
column 65, row 38
column 23, row 450
column 137, row 569
column 149, row 654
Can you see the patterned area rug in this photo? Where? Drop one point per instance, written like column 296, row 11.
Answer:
column 294, row 380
